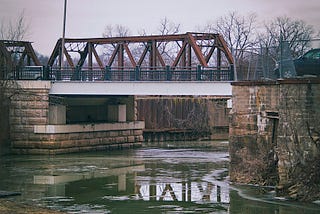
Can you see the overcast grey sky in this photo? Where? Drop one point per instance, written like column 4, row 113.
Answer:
column 88, row 18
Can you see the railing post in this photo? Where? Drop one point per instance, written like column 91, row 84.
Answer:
column 231, row 73
column 48, row 72
column 137, row 73
column 76, row 73
column 58, row 73
column 45, row 73
column 18, row 72
column 168, row 73
column 107, row 73
column 199, row 72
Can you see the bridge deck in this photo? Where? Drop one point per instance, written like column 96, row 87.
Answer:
column 195, row 88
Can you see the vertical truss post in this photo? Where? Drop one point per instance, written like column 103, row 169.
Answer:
column 154, row 54
column 149, row 47
column 121, row 57
column 121, row 62
column 218, row 72
column 89, row 72
column 184, row 58
column 218, row 59
column 189, row 56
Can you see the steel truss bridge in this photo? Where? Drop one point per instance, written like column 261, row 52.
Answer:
column 178, row 57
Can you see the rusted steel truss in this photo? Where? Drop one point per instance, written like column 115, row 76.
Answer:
column 14, row 54
column 178, row 50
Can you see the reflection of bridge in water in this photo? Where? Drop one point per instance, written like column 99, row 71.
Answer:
column 183, row 191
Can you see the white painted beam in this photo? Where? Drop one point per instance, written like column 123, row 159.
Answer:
column 219, row 88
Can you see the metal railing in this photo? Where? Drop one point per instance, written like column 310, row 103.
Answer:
column 167, row 73
column 141, row 74
column 23, row 73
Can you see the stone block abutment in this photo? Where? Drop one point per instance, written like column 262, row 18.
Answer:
column 274, row 135
column 44, row 124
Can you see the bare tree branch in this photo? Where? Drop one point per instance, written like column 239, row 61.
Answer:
column 296, row 32
column 14, row 30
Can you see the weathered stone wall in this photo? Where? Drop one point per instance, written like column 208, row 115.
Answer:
column 274, row 136
column 78, row 142
column 30, row 110
column 250, row 133
column 298, row 139
column 4, row 125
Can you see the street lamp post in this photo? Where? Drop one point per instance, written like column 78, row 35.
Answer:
column 63, row 34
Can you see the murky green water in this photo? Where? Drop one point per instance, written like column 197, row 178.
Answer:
column 137, row 181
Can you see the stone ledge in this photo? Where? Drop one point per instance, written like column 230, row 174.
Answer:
column 32, row 84
column 297, row 80
column 76, row 128
column 40, row 151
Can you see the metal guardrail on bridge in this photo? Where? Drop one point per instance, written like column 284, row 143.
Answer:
column 141, row 74
column 137, row 73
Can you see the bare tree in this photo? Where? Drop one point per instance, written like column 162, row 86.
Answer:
column 14, row 30
column 296, row 32
column 116, row 31
column 237, row 30
column 167, row 27
column 17, row 31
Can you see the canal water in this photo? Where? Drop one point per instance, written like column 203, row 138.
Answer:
column 145, row 180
